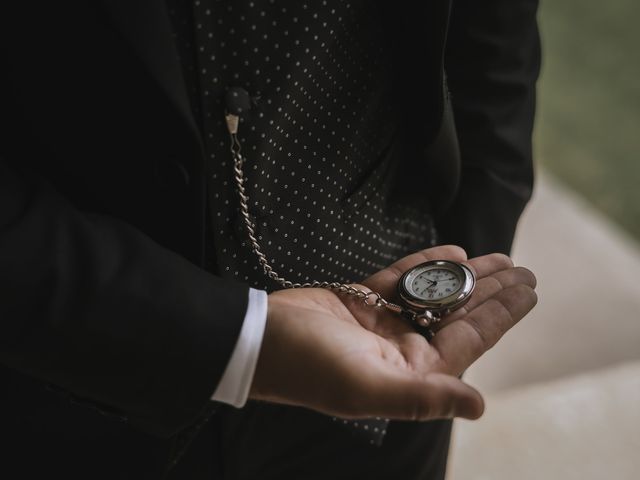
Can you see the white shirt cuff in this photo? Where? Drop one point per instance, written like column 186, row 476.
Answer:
column 236, row 380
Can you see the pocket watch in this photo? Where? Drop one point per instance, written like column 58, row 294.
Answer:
column 434, row 289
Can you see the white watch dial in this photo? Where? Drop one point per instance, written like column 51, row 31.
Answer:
column 435, row 284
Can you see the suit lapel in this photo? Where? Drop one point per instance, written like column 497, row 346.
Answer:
column 147, row 27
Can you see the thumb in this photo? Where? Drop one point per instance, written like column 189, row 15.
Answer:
column 412, row 397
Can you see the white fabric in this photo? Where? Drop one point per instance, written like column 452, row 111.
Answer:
column 236, row 380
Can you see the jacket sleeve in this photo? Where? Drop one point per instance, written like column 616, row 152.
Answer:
column 492, row 63
column 92, row 306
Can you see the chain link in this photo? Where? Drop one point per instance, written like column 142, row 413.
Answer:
column 369, row 298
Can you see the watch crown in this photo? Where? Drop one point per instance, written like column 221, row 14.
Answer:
column 426, row 318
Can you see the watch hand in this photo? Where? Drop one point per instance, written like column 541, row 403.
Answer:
column 433, row 284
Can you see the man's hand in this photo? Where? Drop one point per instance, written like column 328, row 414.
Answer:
column 332, row 354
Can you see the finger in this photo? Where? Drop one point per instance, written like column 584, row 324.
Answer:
column 489, row 286
column 462, row 342
column 489, row 264
column 384, row 281
column 412, row 397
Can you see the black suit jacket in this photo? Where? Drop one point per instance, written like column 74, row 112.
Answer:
column 112, row 335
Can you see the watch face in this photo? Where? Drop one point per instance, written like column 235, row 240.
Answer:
column 438, row 285
column 435, row 283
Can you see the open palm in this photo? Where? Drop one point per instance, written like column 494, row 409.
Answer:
column 335, row 355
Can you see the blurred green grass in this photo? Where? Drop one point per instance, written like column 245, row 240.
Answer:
column 588, row 124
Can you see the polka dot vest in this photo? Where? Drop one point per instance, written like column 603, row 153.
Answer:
column 319, row 139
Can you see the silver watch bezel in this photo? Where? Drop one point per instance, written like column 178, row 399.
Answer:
column 445, row 304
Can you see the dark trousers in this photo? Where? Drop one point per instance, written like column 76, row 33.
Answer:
column 265, row 442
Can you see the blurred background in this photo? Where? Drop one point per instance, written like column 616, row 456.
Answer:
column 563, row 387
